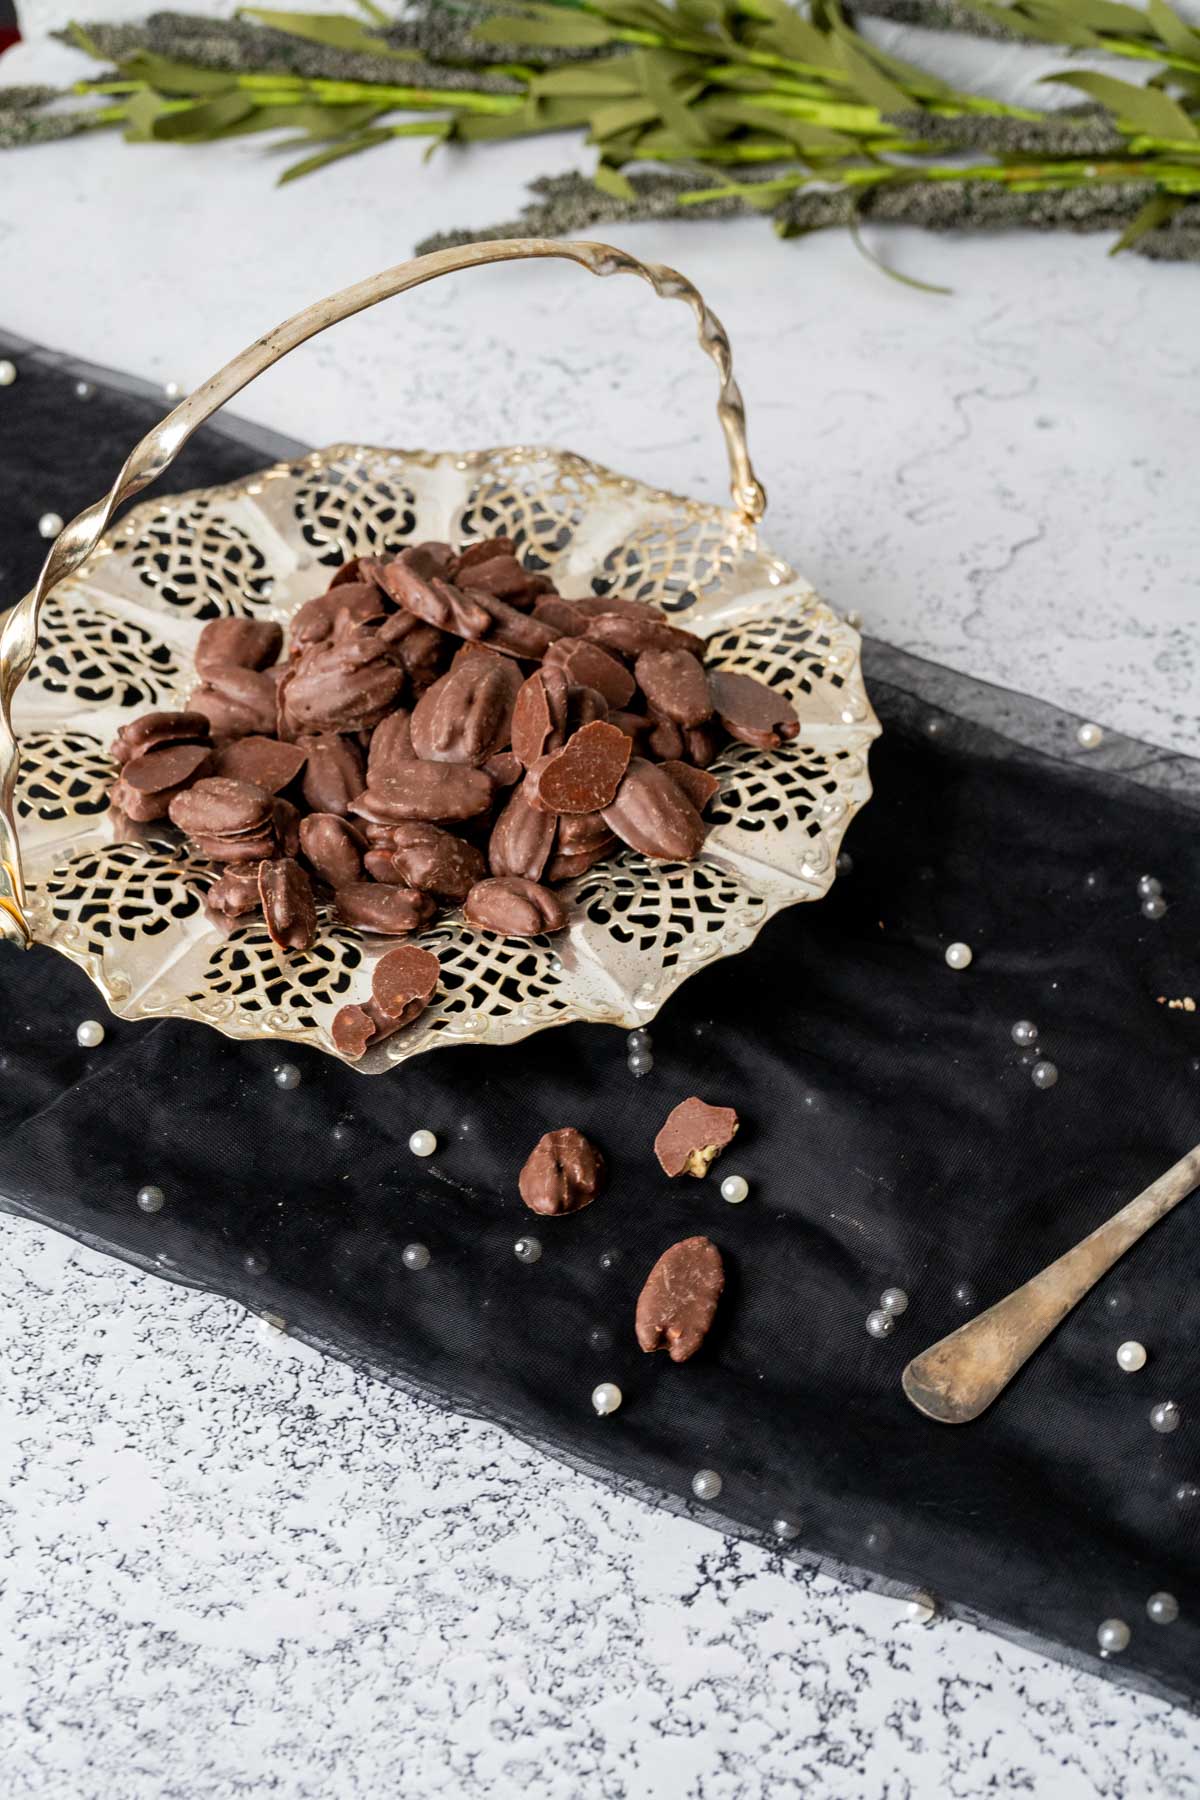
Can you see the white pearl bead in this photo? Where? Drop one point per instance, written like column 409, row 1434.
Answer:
column 8, row 373
column 415, row 1256
column 422, row 1143
column 1024, row 1032
column 1090, row 737
column 1148, row 886
column 734, row 1188
column 84, row 390
column 1165, row 1416
column 1131, row 1356
column 845, row 863
column 286, row 1075
column 1155, row 907
column 1044, row 1074
column 880, row 1324
column 894, row 1301
column 90, row 1034
column 921, row 1609
column 606, row 1398
column 527, row 1250
column 151, row 1199
column 706, row 1484
column 959, row 956
column 1162, row 1608
column 785, row 1529
column 172, row 390
column 1113, row 1636
column 49, row 525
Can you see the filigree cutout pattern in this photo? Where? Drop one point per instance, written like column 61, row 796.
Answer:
column 132, row 912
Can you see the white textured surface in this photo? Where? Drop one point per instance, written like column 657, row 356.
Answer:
column 227, row 1568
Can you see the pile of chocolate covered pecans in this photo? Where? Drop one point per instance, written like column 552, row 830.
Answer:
column 447, row 730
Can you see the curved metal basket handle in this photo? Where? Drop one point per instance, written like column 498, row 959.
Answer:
column 158, row 449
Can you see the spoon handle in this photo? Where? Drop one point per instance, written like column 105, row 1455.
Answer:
column 959, row 1377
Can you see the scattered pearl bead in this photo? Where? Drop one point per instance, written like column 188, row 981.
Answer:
column 894, row 1300
column 639, row 1063
column 527, row 1250
column 415, row 1256
column 921, row 1609
column 1148, row 886
column 734, row 1188
column 1089, row 736
column 255, row 1263
column 84, row 390
column 1153, row 908
column 706, row 1484
column 959, row 956
column 422, row 1143
column 609, row 1259
column 964, row 1294
column 1165, row 1416
column 1162, row 1608
column 172, row 390
column 1131, row 1356
column 606, row 1398
column 1024, row 1032
column 341, row 1133
column 1045, row 1074
column 8, row 373
column 90, row 1034
column 1187, row 1493
column 286, row 1075
column 877, row 1540
column 845, row 863
column 880, row 1324
column 638, row 1041
column 151, row 1199
column 49, row 525
column 1113, row 1637
column 785, row 1529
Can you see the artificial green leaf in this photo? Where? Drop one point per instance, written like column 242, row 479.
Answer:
column 923, row 287
column 623, row 115
column 869, row 81
column 661, row 74
column 1094, row 15
column 611, row 181
column 1157, row 211
column 82, row 41
column 1145, row 109
column 1010, row 19
column 564, row 30
column 203, row 120
column 1171, row 29
column 141, row 114
column 332, row 29
column 611, row 76
column 174, row 77
column 335, row 153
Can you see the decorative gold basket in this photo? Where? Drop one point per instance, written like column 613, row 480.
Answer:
column 109, row 629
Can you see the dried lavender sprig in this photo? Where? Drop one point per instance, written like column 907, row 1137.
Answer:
column 570, row 203
column 1176, row 241
column 234, row 47
column 968, row 206
column 1075, row 131
column 19, row 127
column 25, row 99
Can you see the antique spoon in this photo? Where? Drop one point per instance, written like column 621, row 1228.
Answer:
column 959, row 1377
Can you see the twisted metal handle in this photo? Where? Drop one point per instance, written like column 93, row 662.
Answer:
column 158, row 449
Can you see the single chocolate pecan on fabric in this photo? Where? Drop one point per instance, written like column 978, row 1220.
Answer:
column 562, row 1174
column 514, row 908
column 693, row 1136
column 676, row 1308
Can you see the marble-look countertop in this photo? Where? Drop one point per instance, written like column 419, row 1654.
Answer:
column 230, row 1568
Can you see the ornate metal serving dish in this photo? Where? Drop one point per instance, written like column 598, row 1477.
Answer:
column 115, row 618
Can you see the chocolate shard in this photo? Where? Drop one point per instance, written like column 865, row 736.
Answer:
column 584, row 775
column 676, row 1308
column 694, row 1136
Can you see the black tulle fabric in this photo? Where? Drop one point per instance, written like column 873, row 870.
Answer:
column 891, row 1135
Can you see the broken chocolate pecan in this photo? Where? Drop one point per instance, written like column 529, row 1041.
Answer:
column 693, row 1136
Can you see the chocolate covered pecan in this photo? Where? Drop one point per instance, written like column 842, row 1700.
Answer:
column 540, row 712
column 333, row 848
column 677, row 1306
column 156, row 728
column 415, row 580
column 286, row 820
column 236, row 702
column 345, row 686
column 664, row 740
column 590, row 665
column 334, row 774
column 403, row 984
column 220, row 807
column 467, row 713
column 390, row 911
column 752, row 712
column 562, row 1174
column 675, row 684
column 522, row 838
column 563, row 615
column 266, row 762
column 697, row 784
column 235, row 891
column 584, row 775
column 287, row 903
column 629, row 635
column 244, row 643
column 417, row 647
column 693, row 1136
column 169, row 766
column 391, row 742
column 422, row 856
column 421, row 790
column 514, row 908
column 651, row 813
